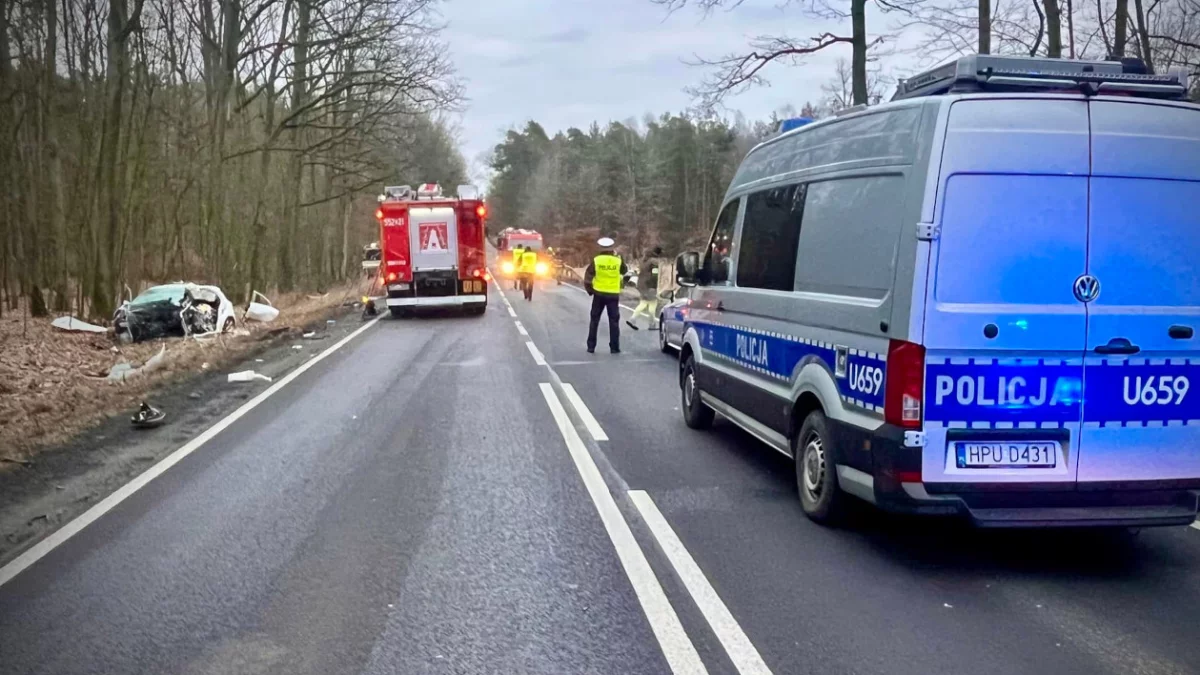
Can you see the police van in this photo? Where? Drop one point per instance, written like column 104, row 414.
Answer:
column 980, row 298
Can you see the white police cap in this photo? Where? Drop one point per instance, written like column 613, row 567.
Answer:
column 606, row 242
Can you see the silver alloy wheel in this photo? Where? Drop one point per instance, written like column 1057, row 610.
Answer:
column 814, row 466
column 662, row 334
column 689, row 388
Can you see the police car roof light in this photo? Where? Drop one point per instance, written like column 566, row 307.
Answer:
column 984, row 72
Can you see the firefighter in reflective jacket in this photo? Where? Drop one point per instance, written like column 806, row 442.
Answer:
column 603, row 280
column 526, row 271
column 516, row 261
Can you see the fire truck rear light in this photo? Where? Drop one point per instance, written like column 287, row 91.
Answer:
column 481, row 210
column 475, row 273
column 391, row 276
column 378, row 214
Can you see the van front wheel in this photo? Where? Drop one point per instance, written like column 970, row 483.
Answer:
column 695, row 413
column 816, row 476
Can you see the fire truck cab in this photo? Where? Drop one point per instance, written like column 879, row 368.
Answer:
column 510, row 238
column 433, row 248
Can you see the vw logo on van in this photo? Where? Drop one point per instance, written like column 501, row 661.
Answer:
column 1087, row 288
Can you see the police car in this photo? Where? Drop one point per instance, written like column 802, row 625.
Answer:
column 979, row 298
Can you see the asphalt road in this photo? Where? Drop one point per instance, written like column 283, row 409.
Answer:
column 429, row 499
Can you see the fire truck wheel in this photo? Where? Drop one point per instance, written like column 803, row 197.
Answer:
column 399, row 312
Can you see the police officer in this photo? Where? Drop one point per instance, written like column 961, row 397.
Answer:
column 603, row 280
column 526, row 271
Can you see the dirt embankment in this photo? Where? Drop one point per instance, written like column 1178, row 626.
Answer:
column 65, row 437
column 53, row 383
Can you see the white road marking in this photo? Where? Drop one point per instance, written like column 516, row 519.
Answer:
column 741, row 651
column 1196, row 525
column 521, row 329
column 589, row 420
column 62, row 534
column 510, row 311
column 664, row 622
column 537, row 356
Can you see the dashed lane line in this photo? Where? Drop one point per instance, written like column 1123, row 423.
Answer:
column 1196, row 525
column 589, row 420
column 739, row 648
column 62, row 534
column 521, row 329
column 678, row 649
column 537, row 355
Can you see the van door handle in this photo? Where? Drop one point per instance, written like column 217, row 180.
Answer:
column 720, row 306
column 1179, row 332
column 1118, row 346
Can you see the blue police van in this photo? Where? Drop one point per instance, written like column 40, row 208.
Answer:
column 980, row 298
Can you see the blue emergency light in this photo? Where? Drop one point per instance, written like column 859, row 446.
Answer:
column 793, row 123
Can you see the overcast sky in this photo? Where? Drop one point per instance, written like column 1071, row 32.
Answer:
column 568, row 62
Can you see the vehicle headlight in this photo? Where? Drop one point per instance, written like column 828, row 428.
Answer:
column 507, row 267
column 542, row 268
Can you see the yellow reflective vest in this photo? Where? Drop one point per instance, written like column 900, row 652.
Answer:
column 608, row 274
column 528, row 262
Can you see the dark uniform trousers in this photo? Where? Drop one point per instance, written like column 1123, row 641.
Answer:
column 600, row 303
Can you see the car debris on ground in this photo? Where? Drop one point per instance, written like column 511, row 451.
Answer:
column 263, row 312
column 247, row 376
column 73, row 324
column 124, row 370
column 147, row 417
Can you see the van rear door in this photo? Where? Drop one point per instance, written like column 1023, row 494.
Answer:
column 1003, row 331
column 433, row 238
column 1142, row 367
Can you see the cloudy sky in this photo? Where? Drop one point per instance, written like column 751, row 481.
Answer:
column 569, row 62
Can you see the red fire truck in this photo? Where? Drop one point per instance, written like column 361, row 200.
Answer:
column 509, row 239
column 433, row 248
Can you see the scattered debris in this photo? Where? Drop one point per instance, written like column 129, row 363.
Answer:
column 947, row 605
column 14, row 460
column 205, row 366
column 258, row 360
column 369, row 308
column 247, row 376
column 148, row 417
column 195, row 396
column 124, row 370
column 297, row 346
column 73, row 324
column 313, row 335
column 263, row 312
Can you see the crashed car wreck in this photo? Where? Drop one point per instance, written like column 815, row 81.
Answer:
column 173, row 310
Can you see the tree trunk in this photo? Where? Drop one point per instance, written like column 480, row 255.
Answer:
column 1121, row 28
column 1143, row 36
column 858, row 66
column 1053, row 29
column 985, row 26
column 288, row 248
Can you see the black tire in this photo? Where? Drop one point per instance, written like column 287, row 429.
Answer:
column 476, row 311
column 398, row 312
column 821, row 497
column 662, row 336
column 695, row 413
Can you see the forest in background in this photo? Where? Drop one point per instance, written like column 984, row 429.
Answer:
column 659, row 181
column 239, row 142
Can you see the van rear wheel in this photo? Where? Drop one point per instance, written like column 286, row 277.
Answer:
column 695, row 413
column 821, row 497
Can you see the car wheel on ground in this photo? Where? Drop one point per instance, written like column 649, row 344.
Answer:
column 695, row 413
column 398, row 312
column 816, row 476
column 662, row 335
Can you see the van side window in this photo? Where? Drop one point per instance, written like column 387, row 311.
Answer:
column 770, row 232
column 718, row 259
column 851, row 227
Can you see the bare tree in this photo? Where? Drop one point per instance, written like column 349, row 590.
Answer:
column 733, row 73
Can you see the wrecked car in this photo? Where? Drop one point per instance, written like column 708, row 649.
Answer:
column 173, row 310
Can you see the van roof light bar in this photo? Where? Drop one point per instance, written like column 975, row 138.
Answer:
column 985, row 72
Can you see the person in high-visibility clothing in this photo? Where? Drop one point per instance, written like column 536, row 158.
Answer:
column 603, row 280
column 526, row 271
column 516, row 261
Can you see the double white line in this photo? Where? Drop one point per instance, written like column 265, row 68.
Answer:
column 678, row 649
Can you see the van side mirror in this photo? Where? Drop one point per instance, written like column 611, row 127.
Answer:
column 687, row 265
